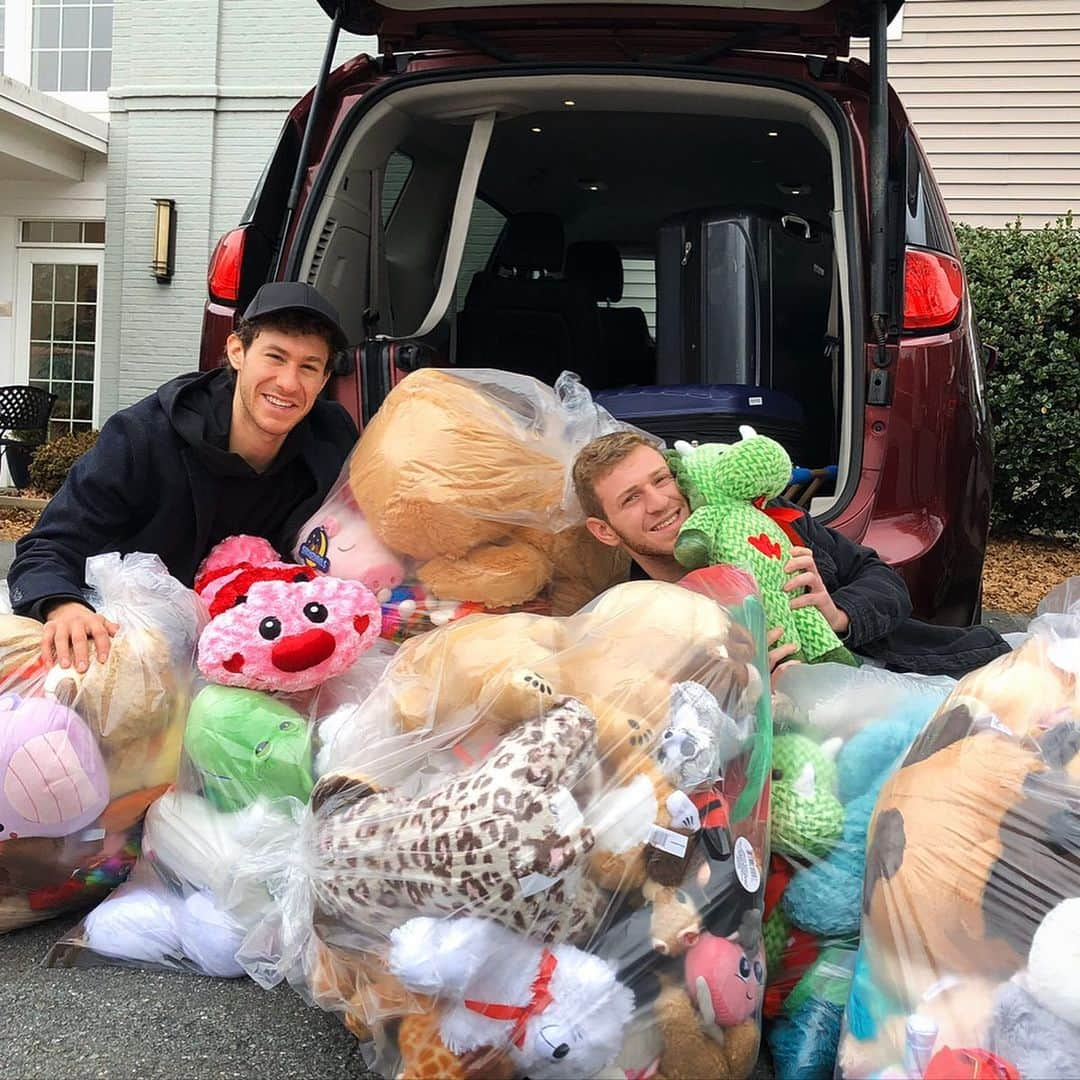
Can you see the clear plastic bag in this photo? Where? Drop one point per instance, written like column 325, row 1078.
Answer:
column 971, row 926
column 458, row 499
column 248, row 765
column 840, row 731
column 83, row 756
column 539, row 846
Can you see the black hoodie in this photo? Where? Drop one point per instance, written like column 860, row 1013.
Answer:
column 161, row 479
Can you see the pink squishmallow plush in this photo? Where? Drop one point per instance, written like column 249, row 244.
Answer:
column 279, row 626
column 339, row 541
column 726, row 976
column 52, row 775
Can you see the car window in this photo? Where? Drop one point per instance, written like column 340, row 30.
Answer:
column 639, row 288
column 395, row 175
column 927, row 223
column 485, row 226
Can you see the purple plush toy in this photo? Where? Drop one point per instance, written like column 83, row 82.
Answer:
column 52, row 776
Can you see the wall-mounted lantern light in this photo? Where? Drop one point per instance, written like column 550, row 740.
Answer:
column 164, row 239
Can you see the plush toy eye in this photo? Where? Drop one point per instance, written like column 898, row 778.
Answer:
column 286, row 725
column 778, row 775
column 759, row 971
column 681, row 897
column 744, row 968
column 270, row 628
column 261, row 748
column 560, row 1051
column 315, row 612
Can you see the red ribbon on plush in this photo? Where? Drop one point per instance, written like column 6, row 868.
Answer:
column 783, row 516
column 540, row 1000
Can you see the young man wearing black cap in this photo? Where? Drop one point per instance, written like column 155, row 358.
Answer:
column 248, row 448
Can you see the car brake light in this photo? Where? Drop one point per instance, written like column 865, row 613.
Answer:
column 933, row 289
column 223, row 277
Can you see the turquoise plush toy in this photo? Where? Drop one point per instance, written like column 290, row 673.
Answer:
column 728, row 488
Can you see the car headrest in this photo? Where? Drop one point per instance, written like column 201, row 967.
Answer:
column 533, row 241
column 598, row 266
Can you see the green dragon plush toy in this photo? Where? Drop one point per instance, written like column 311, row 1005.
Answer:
column 727, row 488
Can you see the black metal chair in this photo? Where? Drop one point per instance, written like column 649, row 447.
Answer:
column 25, row 409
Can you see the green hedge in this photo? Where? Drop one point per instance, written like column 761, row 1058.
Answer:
column 1025, row 287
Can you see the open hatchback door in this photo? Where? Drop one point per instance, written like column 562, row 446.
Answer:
column 800, row 26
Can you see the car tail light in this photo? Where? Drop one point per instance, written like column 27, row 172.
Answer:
column 933, row 289
column 223, row 277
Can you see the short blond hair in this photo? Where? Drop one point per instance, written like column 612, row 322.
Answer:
column 597, row 459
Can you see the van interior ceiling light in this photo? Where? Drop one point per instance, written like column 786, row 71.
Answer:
column 774, row 134
column 569, row 103
column 164, row 260
column 536, row 130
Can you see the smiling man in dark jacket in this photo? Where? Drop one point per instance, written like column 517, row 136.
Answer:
column 632, row 501
column 248, row 448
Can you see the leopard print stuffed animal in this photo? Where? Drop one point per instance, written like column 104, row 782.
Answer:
column 504, row 840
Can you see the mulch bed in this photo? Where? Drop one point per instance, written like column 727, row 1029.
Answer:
column 1020, row 571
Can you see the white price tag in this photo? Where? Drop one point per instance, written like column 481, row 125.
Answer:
column 746, row 867
column 665, row 840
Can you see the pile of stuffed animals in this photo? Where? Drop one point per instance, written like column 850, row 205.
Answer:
column 971, row 903
column 82, row 756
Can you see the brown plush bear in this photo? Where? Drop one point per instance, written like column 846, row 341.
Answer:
column 691, row 1052
column 471, row 480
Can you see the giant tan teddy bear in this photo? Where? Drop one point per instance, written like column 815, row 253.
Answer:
column 471, row 480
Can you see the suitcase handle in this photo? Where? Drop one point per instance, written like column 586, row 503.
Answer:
column 794, row 219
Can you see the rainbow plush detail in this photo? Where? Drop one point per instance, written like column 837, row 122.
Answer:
column 280, row 627
column 728, row 488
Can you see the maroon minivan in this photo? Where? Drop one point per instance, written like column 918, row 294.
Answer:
column 699, row 208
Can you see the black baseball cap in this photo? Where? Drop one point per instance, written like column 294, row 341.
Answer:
column 296, row 296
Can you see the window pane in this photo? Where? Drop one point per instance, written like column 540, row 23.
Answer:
column 37, row 232
column 61, row 361
column 74, row 70
column 39, row 361
column 62, row 409
column 46, row 27
column 46, row 74
column 84, row 362
column 94, row 232
column 82, row 402
column 67, row 232
column 43, row 283
column 87, row 284
column 100, row 69
column 65, row 282
column 102, row 36
column 76, row 28
column 41, row 322
column 85, row 322
column 64, row 322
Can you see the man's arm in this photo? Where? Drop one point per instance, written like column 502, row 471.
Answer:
column 101, row 503
column 872, row 595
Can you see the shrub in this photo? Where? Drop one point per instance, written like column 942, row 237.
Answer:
column 1025, row 288
column 52, row 461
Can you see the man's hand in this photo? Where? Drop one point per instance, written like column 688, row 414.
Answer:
column 779, row 657
column 804, row 575
column 69, row 629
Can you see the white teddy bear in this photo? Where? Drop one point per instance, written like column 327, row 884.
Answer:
column 560, row 1011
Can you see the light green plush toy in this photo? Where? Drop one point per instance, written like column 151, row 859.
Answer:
column 727, row 488
column 245, row 744
column 807, row 817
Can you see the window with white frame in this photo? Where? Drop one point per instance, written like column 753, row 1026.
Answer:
column 72, row 45
column 3, row 16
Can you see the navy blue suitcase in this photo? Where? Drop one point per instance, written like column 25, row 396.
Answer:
column 711, row 414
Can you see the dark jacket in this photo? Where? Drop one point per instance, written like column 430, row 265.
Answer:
column 161, row 479
column 876, row 601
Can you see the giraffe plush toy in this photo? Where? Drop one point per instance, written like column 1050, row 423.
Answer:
column 728, row 488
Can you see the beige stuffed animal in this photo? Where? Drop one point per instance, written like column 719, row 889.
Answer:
column 471, row 481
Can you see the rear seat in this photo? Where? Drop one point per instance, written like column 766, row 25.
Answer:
column 628, row 356
column 518, row 317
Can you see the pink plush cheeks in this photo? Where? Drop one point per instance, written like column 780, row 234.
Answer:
column 290, row 636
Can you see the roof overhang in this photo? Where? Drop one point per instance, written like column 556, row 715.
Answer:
column 42, row 138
